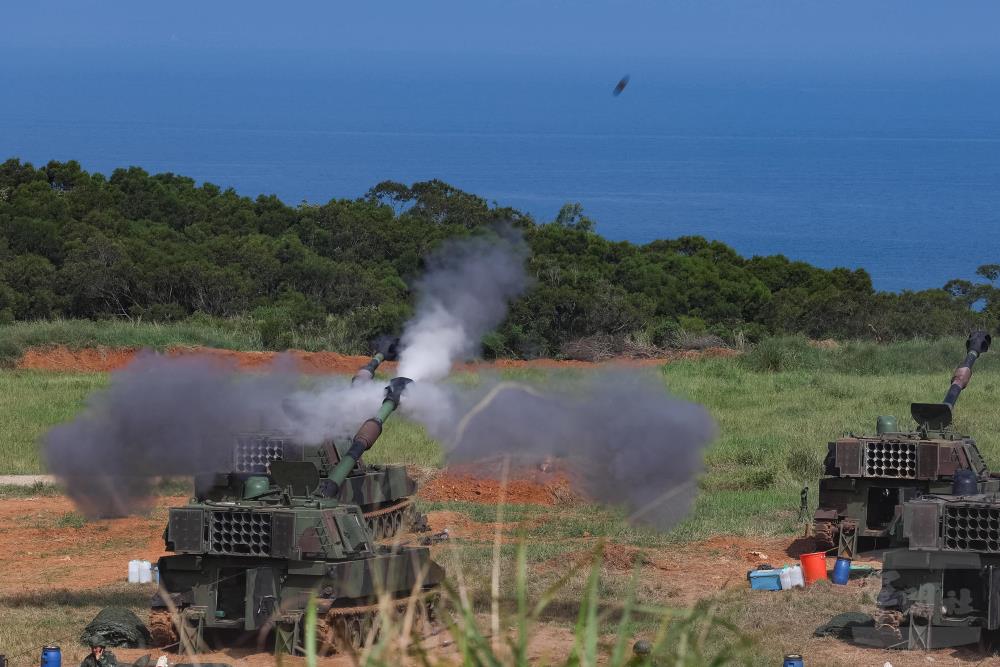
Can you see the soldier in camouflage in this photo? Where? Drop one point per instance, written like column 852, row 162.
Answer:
column 99, row 657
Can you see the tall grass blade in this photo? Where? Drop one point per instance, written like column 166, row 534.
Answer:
column 310, row 631
column 586, row 631
column 618, row 652
column 495, row 574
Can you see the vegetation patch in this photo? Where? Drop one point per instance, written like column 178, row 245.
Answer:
column 169, row 260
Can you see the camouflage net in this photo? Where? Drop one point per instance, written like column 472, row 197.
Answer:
column 118, row 627
column 842, row 625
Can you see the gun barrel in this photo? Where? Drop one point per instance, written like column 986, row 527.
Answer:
column 977, row 344
column 367, row 372
column 367, row 435
column 386, row 348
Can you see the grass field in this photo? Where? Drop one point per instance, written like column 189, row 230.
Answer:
column 236, row 333
column 777, row 406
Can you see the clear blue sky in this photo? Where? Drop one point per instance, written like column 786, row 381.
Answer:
column 876, row 34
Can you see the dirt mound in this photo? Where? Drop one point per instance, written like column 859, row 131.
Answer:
column 615, row 557
column 61, row 358
column 105, row 359
column 457, row 484
column 102, row 359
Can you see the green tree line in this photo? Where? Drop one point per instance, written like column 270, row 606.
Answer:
column 162, row 248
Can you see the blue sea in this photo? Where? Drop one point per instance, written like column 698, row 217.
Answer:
column 896, row 175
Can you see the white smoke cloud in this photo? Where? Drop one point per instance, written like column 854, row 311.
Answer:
column 630, row 442
column 627, row 441
column 464, row 294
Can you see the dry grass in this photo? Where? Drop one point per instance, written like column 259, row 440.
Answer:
column 28, row 621
column 591, row 348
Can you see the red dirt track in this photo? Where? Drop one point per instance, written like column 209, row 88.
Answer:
column 456, row 486
column 104, row 359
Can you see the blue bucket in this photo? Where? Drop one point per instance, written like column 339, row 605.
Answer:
column 793, row 660
column 51, row 656
column 841, row 571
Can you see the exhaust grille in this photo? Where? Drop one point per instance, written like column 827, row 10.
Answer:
column 891, row 459
column 972, row 529
column 240, row 532
column 254, row 454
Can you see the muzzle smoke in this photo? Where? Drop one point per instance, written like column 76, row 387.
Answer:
column 629, row 442
column 623, row 438
column 177, row 416
column 464, row 294
column 159, row 416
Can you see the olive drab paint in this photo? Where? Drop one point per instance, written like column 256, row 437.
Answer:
column 247, row 558
column 868, row 478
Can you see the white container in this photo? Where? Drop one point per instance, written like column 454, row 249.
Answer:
column 785, row 576
column 133, row 572
column 795, row 576
column 145, row 572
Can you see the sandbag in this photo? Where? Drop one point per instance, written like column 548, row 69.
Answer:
column 116, row 627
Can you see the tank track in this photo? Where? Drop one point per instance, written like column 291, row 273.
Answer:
column 889, row 620
column 347, row 629
column 388, row 522
column 162, row 629
column 825, row 533
column 339, row 630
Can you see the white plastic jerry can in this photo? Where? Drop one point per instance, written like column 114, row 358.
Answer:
column 785, row 575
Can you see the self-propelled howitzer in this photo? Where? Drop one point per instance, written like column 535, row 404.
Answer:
column 250, row 564
column 384, row 492
column 867, row 478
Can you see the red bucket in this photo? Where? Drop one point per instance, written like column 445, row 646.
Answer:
column 813, row 566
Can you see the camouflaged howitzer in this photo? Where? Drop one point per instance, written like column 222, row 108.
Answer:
column 867, row 478
column 943, row 588
column 385, row 493
column 249, row 564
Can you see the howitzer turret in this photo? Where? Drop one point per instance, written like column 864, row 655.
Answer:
column 384, row 492
column 867, row 478
column 249, row 562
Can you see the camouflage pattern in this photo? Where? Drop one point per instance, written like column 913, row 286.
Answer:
column 384, row 493
column 943, row 589
column 248, row 554
column 868, row 478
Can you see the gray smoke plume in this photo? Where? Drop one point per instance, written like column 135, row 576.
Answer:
column 463, row 295
column 179, row 416
column 625, row 439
